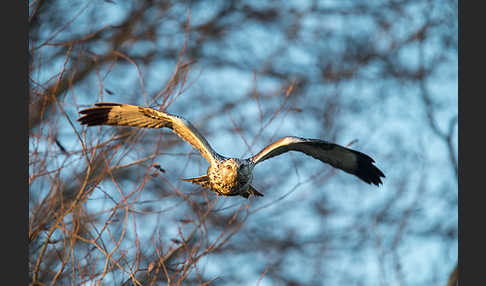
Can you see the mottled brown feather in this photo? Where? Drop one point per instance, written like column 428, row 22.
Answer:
column 107, row 113
column 348, row 160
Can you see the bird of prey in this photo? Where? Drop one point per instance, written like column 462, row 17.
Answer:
column 231, row 176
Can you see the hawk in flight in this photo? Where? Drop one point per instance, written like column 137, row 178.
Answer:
column 231, row 176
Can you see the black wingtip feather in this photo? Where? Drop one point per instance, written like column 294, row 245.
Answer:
column 368, row 172
column 94, row 115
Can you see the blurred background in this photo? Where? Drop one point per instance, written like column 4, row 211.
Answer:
column 107, row 205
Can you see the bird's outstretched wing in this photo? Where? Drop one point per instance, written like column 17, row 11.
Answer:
column 106, row 113
column 348, row 160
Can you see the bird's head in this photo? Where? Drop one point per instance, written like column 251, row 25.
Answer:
column 229, row 168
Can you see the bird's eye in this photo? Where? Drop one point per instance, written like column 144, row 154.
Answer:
column 228, row 167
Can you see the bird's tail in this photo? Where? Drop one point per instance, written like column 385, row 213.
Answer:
column 201, row 180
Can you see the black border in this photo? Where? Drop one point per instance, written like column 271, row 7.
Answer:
column 15, row 141
column 471, row 121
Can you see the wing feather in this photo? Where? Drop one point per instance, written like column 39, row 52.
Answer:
column 107, row 113
column 348, row 160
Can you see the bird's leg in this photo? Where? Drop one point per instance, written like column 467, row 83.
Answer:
column 251, row 191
